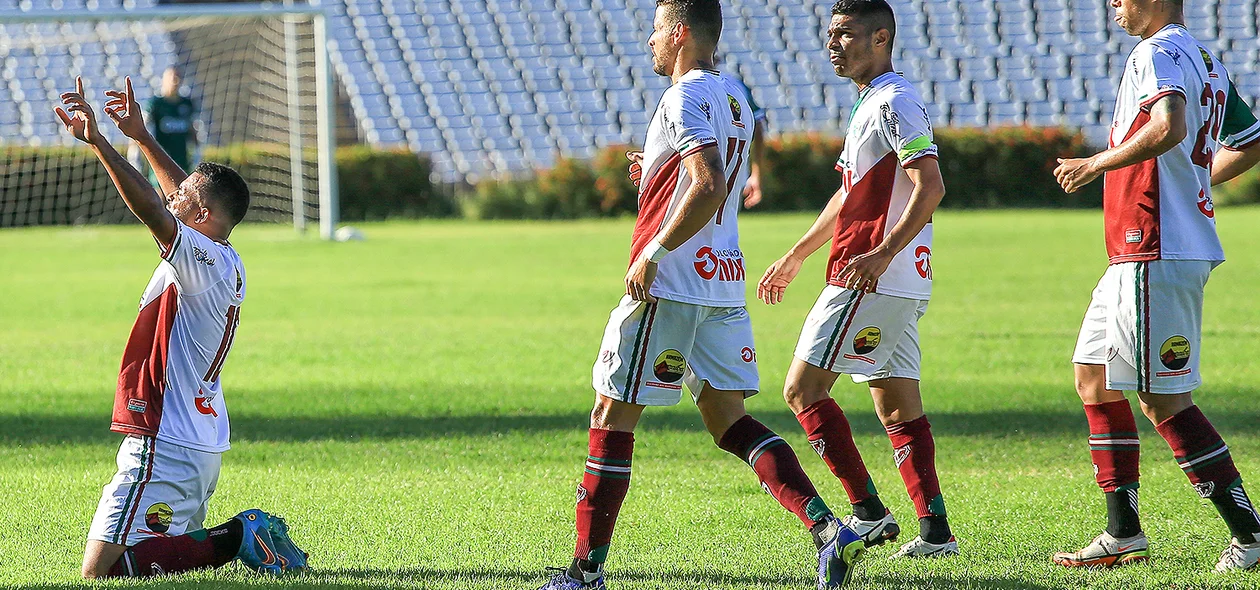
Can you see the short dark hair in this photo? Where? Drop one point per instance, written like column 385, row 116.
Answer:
column 875, row 14
column 703, row 17
column 226, row 187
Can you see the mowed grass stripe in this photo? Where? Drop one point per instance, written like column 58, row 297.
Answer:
column 415, row 405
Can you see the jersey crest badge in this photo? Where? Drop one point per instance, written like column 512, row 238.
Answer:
column 736, row 111
column 1207, row 59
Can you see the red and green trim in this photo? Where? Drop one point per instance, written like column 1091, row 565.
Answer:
column 841, row 330
column 638, row 356
column 132, row 504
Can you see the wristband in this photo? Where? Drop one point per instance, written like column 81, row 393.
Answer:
column 655, row 251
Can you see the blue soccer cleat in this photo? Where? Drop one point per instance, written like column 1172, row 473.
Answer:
column 292, row 558
column 561, row 580
column 260, row 550
column 838, row 557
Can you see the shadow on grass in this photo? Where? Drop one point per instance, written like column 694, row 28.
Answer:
column 45, row 429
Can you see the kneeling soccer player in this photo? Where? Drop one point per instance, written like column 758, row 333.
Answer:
column 865, row 323
column 169, row 399
column 1142, row 331
column 683, row 319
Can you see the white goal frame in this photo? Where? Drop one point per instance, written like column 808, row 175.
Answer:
column 325, row 93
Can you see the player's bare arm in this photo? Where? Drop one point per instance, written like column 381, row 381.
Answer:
column 776, row 279
column 129, row 117
column 1228, row 164
column 699, row 204
column 929, row 188
column 140, row 197
column 1166, row 129
column 752, row 188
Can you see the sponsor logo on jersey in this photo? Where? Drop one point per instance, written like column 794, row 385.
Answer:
column 900, row 454
column 137, row 405
column 748, row 355
column 737, row 112
column 923, row 261
column 820, row 446
column 867, row 340
column 724, row 265
column 1205, row 205
column 606, row 357
column 890, row 119
column 1175, row 352
column 202, row 256
column 707, row 109
column 1174, row 54
column 158, row 517
column 670, row 366
column 1133, row 236
column 203, row 405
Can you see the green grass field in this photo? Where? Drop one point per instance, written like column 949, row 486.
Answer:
column 415, row 405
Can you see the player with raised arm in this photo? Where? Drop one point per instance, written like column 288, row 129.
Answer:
column 879, row 280
column 683, row 318
column 169, row 399
column 1142, row 331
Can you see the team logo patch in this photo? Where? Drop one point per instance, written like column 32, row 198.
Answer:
column 137, row 405
column 581, row 493
column 736, row 111
column 1207, row 59
column 1175, row 352
column 1205, row 488
column 158, row 517
column 900, row 454
column 867, row 340
column 820, row 446
column 670, row 366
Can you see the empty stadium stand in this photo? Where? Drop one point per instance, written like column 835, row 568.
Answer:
column 489, row 87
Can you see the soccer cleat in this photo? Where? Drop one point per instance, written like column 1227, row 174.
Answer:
column 292, row 559
column 258, row 549
column 1238, row 557
column 561, row 580
column 838, row 556
column 874, row 532
column 1107, row 551
column 920, row 549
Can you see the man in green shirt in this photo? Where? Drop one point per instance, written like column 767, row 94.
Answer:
column 173, row 120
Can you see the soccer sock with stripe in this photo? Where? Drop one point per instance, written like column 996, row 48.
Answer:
column 828, row 431
column 914, row 452
column 211, row 548
column 605, row 482
column 1205, row 458
column 1115, row 450
column 777, row 467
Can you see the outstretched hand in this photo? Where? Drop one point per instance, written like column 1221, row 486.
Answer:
column 125, row 111
column 776, row 280
column 77, row 115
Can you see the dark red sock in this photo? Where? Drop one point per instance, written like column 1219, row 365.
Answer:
column 172, row 555
column 777, row 467
column 914, row 452
column 829, row 433
column 1113, row 445
column 603, row 489
column 1200, row 452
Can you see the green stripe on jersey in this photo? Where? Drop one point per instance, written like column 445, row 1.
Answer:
column 917, row 145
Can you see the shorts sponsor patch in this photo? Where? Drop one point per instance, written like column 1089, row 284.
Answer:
column 137, row 405
column 1175, row 353
column 867, row 340
column 858, row 357
column 670, row 366
column 158, row 517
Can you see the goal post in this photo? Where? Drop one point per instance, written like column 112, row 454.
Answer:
column 261, row 76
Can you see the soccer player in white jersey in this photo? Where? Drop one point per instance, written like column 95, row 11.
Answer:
column 682, row 320
column 169, row 400
column 1142, row 331
column 879, row 279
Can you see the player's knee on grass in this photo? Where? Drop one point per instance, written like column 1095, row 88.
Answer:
column 99, row 557
column 1159, row 407
column 806, row 385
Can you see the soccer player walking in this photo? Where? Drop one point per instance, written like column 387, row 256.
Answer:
column 879, row 279
column 169, row 400
column 1142, row 330
column 683, row 318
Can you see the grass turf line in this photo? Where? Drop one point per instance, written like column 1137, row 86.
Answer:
column 415, row 405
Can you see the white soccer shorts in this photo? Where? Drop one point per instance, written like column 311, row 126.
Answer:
column 651, row 350
column 160, row 490
column 1145, row 323
column 865, row 335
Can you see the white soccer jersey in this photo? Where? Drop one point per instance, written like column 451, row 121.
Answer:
column 169, row 383
column 705, row 108
column 889, row 129
column 1161, row 209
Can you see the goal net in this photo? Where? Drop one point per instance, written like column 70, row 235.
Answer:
column 257, row 77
